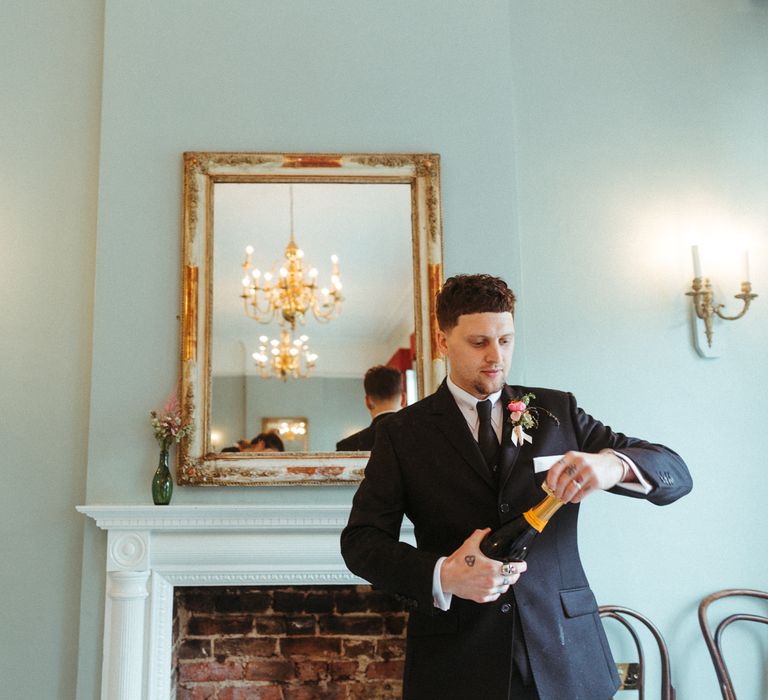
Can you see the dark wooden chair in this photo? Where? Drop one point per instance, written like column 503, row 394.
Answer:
column 714, row 641
column 632, row 674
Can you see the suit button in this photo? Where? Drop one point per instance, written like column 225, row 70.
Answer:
column 504, row 507
column 506, row 608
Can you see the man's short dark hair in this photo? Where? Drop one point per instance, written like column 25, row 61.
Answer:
column 382, row 382
column 472, row 294
column 271, row 440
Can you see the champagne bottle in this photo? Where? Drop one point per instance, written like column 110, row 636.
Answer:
column 512, row 540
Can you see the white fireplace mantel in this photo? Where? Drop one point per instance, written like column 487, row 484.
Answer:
column 152, row 549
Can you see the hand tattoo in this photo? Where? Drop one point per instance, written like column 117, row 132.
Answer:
column 470, row 560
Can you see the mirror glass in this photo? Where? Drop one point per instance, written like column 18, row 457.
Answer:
column 245, row 215
column 375, row 321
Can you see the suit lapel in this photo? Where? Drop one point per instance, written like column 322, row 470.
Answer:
column 515, row 477
column 509, row 451
column 451, row 422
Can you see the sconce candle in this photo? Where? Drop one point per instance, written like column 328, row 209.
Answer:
column 746, row 266
column 696, row 261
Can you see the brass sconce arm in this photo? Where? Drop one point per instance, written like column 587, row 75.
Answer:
column 705, row 306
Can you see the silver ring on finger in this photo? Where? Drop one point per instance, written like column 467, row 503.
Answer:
column 507, row 570
column 577, row 484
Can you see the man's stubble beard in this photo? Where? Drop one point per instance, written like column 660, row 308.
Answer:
column 484, row 390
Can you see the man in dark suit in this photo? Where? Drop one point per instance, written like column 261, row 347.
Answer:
column 478, row 628
column 383, row 388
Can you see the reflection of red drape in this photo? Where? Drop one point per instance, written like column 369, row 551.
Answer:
column 403, row 358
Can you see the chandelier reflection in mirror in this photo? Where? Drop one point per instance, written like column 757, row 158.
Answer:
column 285, row 357
column 290, row 293
column 292, row 430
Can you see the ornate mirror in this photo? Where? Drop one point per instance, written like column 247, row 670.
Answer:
column 299, row 272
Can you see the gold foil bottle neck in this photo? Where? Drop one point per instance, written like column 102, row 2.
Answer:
column 539, row 515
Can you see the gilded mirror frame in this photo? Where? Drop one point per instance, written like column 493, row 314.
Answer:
column 198, row 464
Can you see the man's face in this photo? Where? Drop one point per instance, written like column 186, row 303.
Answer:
column 479, row 349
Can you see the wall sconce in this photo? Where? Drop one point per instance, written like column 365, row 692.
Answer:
column 704, row 302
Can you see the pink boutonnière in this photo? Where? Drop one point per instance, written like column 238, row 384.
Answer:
column 524, row 417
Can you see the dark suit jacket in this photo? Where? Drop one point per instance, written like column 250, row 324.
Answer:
column 427, row 466
column 362, row 439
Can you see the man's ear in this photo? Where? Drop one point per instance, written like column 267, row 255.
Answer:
column 368, row 403
column 442, row 342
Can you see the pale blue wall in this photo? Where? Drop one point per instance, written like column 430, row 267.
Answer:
column 635, row 122
column 50, row 74
column 577, row 141
column 333, row 407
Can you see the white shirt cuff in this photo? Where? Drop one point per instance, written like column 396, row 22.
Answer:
column 641, row 485
column 440, row 598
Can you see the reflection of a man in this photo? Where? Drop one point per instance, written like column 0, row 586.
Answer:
column 383, row 396
column 266, row 442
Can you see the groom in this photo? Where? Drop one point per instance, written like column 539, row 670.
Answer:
column 458, row 463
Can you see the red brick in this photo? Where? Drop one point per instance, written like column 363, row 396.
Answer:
column 270, row 625
column 343, row 670
column 310, row 670
column 270, row 670
column 395, row 624
column 251, row 692
column 210, row 671
column 194, row 599
column 195, row 649
column 315, row 692
column 245, row 646
column 304, row 624
column 375, row 690
column 351, row 599
column 214, row 626
column 385, row 669
column 288, row 601
column 365, row 599
column 251, row 601
column 390, row 648
column 359, row 647
column 357, row 657
column 310, row 646
column 318, row 601
column 196, row 692
column 355, row 625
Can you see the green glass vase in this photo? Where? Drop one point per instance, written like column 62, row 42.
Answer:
column 162, row 482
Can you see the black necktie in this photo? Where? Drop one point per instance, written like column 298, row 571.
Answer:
column 486, row 435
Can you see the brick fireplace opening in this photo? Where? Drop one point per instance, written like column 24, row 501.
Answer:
column 288, row 643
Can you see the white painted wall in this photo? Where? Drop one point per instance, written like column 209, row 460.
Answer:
column 579, row 141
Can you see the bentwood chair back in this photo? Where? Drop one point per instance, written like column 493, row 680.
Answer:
column 714, row 641
column 632, row 674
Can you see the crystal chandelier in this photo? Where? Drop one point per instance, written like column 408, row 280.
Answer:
column 290, row 293
column 285, row 357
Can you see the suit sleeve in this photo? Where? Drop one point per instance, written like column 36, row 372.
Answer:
column 661, row 467
column 370, row 542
